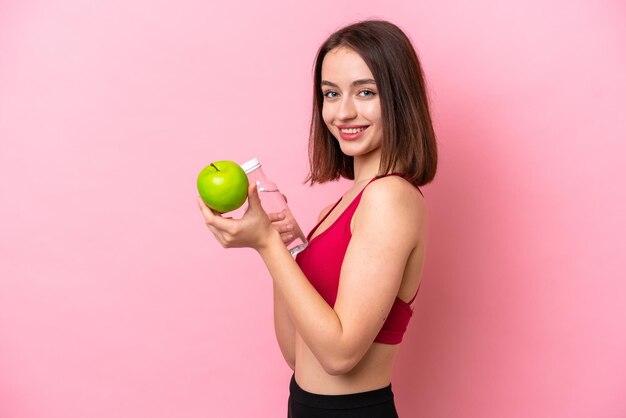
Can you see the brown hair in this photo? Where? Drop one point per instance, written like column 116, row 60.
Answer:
column 408, row 145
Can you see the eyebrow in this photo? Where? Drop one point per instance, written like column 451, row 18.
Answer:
column 354, row 83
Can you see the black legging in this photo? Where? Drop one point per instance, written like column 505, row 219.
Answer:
column 371, row 404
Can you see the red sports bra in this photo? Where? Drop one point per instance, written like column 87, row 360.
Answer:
column 321, row 263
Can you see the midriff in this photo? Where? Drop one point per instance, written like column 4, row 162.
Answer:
column 372, row 372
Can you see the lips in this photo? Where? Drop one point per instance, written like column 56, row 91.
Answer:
column 351, row 137
column 344, row 128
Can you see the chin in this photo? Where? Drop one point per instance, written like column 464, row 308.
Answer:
column 350, row 151
column 355, row 150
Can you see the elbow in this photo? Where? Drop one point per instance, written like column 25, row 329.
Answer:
column 343, row 360
column 339, row 366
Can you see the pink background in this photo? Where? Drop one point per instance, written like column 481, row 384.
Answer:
column 116, row 301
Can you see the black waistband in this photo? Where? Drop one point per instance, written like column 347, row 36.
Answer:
column 347, row 401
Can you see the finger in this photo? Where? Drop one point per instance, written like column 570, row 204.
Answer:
column 276, row 216
column 253, row 196
column 254, row 201
column 214, row 218
column 287, row 238
column 208, row 214
column 218, row 235
column 285, row 198
column 283, row 229
column 206, row 211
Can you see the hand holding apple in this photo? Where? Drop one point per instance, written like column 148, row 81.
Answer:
column 254, row 230
column 223, row 186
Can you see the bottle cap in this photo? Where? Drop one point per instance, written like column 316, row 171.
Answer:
column 253, row 164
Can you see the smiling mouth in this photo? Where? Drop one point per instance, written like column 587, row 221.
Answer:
column 352, row 131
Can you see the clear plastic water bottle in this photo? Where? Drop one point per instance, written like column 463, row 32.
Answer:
column 273, row 201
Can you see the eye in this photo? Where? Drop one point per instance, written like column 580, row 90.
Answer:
column 368, row 91
column 326, row 94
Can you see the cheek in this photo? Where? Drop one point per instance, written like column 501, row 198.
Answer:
column 372, row 112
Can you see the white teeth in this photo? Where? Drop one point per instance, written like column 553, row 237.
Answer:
column 352, row 130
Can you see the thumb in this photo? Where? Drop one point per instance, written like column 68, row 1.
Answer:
column 254, row 201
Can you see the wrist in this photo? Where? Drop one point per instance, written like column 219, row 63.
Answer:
column 272, row 239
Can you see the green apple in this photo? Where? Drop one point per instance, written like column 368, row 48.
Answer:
column 223, row 186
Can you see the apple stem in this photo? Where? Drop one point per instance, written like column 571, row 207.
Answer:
column 213, row 165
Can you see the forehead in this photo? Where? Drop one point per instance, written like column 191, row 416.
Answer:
column 342, row 65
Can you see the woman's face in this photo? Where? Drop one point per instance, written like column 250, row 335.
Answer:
column 350, row 99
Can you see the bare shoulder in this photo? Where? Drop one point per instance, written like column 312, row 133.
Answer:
column 396, row 194
column 393, row 198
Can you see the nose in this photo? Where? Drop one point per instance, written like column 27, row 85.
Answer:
column 347, row 109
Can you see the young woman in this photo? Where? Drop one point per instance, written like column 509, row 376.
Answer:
column 342, row 306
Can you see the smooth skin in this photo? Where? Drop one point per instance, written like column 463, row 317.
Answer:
column 332, row 350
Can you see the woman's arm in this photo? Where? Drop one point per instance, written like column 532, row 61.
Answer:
column 285, row 330
column 384, row 234
column 283, row 324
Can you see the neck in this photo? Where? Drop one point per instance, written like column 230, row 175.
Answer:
column 357, row 182
column 366, row 166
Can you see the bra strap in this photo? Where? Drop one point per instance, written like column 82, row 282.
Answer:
column 392, row 174
column 416, row 292
column 322, row 220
